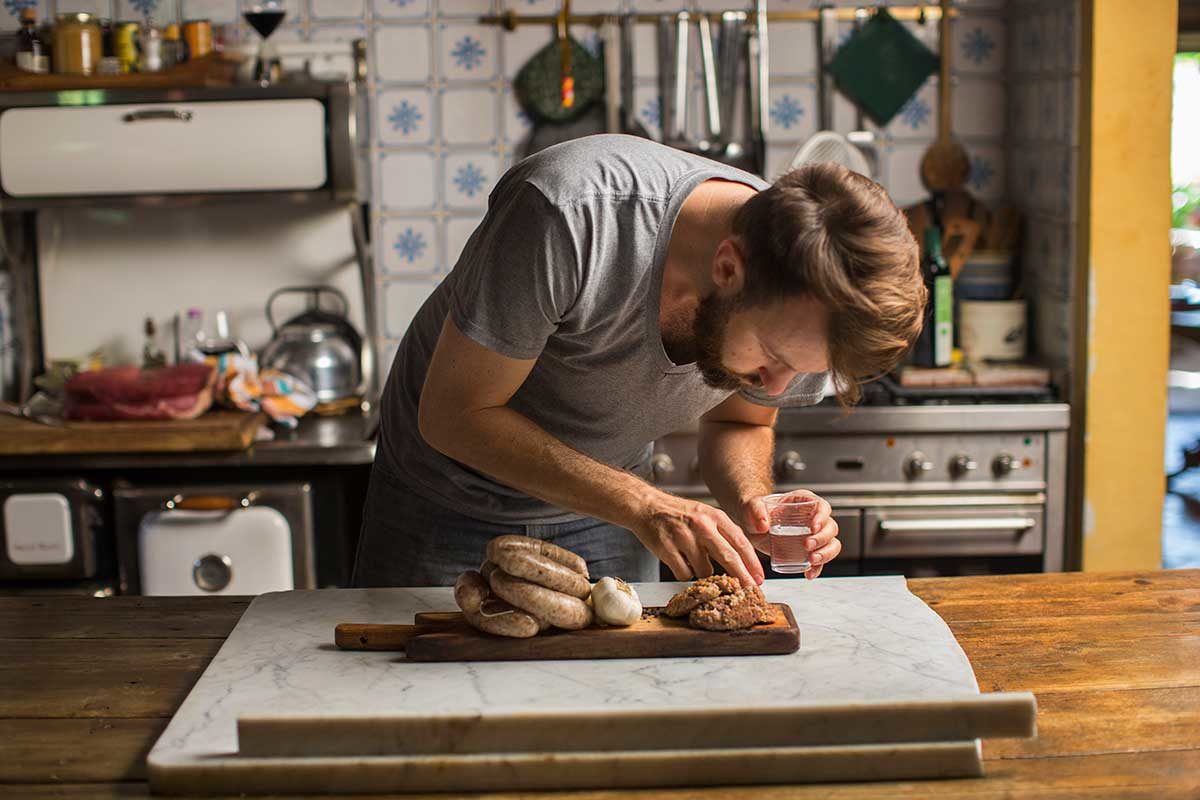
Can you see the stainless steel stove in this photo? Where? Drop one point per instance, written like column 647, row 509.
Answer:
column 922, row 489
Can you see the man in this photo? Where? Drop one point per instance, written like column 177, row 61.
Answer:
column 616, row 291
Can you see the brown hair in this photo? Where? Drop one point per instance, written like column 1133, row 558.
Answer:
column 824, row 231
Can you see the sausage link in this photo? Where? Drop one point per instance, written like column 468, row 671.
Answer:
column 512, row 541
column 560, row 610
column 501, row 619
column 470, row 590
column 486, row 569
column 539, row 569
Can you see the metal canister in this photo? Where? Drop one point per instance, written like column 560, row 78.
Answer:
column 125, row 45
column 198, row 35
column 78, row 46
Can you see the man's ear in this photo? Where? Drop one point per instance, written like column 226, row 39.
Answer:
column 729, row 266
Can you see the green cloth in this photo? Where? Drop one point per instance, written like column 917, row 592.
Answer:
column 882, row 66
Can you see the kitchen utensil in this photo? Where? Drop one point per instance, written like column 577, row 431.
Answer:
column 539, row 84
column 24, row 412
column 1003, row 230
column 992, row 330
column 319, row 346
column 629, row 121
column 730, row 55
column 882, row 66
column 444, row 636
column 673, row 77
column 712, row 98
column 610, row 39
column 959, row 237
column 861, row 137
column 756, row 92
column 216, row 430
column 986, row 275
column 945, row 164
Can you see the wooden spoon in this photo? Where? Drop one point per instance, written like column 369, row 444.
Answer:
column 945, row 164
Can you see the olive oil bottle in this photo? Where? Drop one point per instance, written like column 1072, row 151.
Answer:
column 937, row 337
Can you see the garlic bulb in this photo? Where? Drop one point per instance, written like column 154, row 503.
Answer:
column 615, row 602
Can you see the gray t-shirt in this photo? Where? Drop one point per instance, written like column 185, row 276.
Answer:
column 566, row 268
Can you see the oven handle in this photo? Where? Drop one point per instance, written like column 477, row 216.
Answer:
column 939, row 525
column 210, row 502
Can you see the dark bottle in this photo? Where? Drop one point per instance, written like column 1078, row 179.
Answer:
column 31, row 50
column 937, row 337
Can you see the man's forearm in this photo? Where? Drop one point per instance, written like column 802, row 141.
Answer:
column 511, row 448
column 735, row 461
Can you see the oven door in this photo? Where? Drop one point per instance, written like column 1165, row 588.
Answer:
column 1009, row 530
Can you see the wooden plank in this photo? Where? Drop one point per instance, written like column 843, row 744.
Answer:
column 76, row 750
column 657, row 636
column 216, row 430
column 100, row 678
column 1125, row 776
column 119, row 617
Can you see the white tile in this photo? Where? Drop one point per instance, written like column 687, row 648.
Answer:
column 340, row 66
column 466, row 8
column 903, row 175
column 161, row 11
column 977, row 107
column 986, row 179
column 218, row 11
column 469, row 178
column 655, row 6
column 407, row 181
column 1050, row 110
column 521, row 45
column 458, row 231
column 596, row 6
column 537, row 6
column 645, row 53
column 779, row 159
column 793, row 49
column 402, row 299
column 338, row 9
column 469, row 116
column 387, row 348
column 917, row 118
column 386, row 9
column 363, row 176
column 649, row 109
column 99, row 8
column 10, row 13
column 979, row 44
column 793, row 111
column 404, row 116
column 468, row 52
column 408, row 246
column 517, row 122
column 403, row 53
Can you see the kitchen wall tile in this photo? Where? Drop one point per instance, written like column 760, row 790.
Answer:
column 408, row 246
column 468, row 179
column 655, row 6
column 979, row 45
column 388, row 9
column 793, row 49
column 472, row 9
column 521, row 45
column 10, row 12
column 917, row 118
column 218, row 11
column 401, row 299
column 363, row 176
column 977, row 107
column 458, row 231
column 469, row 116
column 295, row 11
column 163, row 12
column 342, row 64
column 986, row 179
column 779, row 159
column 468, row 52
column 403, row 54
column 405, row 116
column 338, row 9
column 536, row 6
column 596, row 6
column 903, row 175
column 649, row 109
column 793, row 111
column 517, row 122
column 99, row 8
column 407, row 181
column 645, row 52
column 387, row 349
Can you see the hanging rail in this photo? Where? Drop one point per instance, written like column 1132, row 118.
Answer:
column 510, row 19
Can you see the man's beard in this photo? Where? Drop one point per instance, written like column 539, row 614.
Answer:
column 708, row 332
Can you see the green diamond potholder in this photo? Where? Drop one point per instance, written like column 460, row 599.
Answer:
column 539, row 82
column 882, row 66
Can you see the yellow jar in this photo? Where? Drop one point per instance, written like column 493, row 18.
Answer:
column 78, row 45
column 125, row 45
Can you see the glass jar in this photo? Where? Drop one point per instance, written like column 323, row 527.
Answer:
column 78, row 45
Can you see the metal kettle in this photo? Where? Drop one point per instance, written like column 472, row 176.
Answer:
column 320, row 346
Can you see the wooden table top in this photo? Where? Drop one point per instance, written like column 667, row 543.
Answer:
column 87, row 685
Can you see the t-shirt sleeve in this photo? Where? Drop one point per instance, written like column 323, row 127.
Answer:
column 806, row 389
column 518, row 274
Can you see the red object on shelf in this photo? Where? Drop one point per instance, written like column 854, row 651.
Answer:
column 183, row 391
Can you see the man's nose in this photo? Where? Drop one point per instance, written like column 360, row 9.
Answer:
column 774, row 381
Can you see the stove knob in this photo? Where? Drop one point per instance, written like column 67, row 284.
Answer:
column 661, row 467
column 961, row 464
column 1005, row 464
column 917, row 465
column 790, row 466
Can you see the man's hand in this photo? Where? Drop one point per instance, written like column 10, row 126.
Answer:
column 688, row 536
column 823, row 546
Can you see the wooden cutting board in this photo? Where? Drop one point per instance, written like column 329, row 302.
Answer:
column 445, row 636
column 216, row 430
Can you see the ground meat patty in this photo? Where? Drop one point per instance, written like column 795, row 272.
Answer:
column 701, row 592
column 730, row 612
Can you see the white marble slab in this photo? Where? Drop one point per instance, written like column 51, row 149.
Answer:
column 863, row 640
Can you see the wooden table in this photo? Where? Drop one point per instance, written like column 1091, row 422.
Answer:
column 87, row 685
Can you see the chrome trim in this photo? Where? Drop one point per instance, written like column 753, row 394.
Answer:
column 951, row 524
column 992, row 418
column 149, row 114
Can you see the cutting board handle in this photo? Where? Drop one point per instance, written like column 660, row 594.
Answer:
column 363, row 636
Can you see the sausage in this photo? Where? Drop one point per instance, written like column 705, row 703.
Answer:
column 470, row 590
column 501, row 619
column 528, row 544
column 560, row 610
column 485, row 570
column 522, row 562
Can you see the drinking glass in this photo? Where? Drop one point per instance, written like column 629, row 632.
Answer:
column 790, row 517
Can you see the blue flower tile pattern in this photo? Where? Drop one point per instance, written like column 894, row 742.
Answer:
column 468, row 52
column 15, row 7
column 787, row 112
column 405, row 117
column 469, row 179
column 652, row 112
column 981, row 173
column 401, row 3
column 977, row 47
column 915, row 112
column 145, row 7
column 410, row 245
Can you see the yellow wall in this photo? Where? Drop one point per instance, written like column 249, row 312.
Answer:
column 1129, row 146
